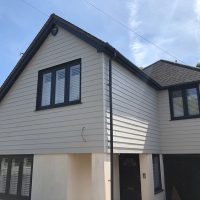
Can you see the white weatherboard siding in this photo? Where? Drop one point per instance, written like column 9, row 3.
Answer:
column 135, row 114
column 58, row 130
column 177, row 136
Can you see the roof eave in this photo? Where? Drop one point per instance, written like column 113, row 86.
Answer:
column 180, row 85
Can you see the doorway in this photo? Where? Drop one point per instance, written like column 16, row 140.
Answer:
column 130, row 185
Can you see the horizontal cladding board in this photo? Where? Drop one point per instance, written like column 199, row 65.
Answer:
column 51, row 140
column 133, row 135
column 52, row 150
column 90, row 106
column 57, row 123
column 133, row 112
column 72, row 120
column 133, row 120
column 71, row 115
column 74, row 145
column 135, row 146
column 55, row 130
column 89, row 134
column 117, row 139
column 134, row 131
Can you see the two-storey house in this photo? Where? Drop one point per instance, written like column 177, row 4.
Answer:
column 79, row 121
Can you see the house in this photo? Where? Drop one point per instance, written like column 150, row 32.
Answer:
column 72, row 100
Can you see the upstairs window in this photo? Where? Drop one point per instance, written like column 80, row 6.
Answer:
column 157, row 173
column 16, row 177
column 59, row 85
column 184, row 102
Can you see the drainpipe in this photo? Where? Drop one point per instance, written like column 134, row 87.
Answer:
column 111, row 128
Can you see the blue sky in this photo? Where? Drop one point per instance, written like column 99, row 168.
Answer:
column 173, row 26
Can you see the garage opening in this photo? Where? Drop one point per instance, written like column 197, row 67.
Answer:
column 182, row 177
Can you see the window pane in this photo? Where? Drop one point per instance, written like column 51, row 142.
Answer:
column 26, row 177
column 192, row 99
column 60, row 86
column 156, row 172
column 177, row 103
column 14, row 176
column 3, row 174
column 74, row 83
column 46, row 89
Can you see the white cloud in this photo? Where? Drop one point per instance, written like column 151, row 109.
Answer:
column 173, row 26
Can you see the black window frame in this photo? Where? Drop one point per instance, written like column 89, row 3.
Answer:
column 6, row 195
column 53, row 70
column 159, row 188
column 185, row 104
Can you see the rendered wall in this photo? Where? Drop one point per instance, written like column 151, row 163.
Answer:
column 147, row 183
column 62, row 177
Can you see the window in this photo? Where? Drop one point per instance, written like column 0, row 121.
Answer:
column 157, row 173
column 184, row 102
column 16, row 177
column 59, row 85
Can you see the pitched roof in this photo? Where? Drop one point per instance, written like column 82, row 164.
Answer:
column 100, row 45
column 168, row 73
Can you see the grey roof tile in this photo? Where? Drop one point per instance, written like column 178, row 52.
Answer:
column 168, row 73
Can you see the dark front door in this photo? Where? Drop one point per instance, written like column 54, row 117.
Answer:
column 130, row 187
column 182, row 177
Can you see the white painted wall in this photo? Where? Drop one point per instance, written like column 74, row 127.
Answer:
column 26, row 131
column 147, row 182
column 177, row 136
column 79, row 177
column 135, row 112
column 62, row 177
column 50, row 177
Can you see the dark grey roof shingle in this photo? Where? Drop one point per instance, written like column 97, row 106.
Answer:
column 168, row 73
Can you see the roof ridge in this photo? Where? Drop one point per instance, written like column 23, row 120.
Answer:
column 181, row 65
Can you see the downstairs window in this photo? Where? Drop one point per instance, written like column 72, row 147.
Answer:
column 16, row 177
column 157, row 173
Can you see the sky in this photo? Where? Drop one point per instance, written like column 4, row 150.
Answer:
column 142, row 30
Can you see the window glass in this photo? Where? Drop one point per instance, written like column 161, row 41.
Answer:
column 3, row 174
column 156, row 173
column 74, row 83
column 46, row 89
column 192, row 101
column 60, row 86
column 14, row 176
column 178, row 103
column 26, row 177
